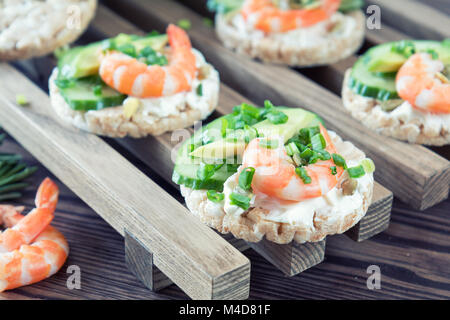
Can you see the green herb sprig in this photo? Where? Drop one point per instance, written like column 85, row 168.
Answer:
column 12, row 174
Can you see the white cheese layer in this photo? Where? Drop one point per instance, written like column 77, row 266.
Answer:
column 303, row 37
column 175, row 104
column 333, row 204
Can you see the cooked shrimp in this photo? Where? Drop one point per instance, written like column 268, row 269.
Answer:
column 275, row 174
column 420, row 82
column 36, row 221
column 37, row 257
column 266, row 16
column 133, row 77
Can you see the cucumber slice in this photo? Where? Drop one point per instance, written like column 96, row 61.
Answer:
column 381, row 85
column 186, row 167
column 81, row 97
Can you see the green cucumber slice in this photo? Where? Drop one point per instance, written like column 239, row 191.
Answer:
column 379, row 85
column 81, row 97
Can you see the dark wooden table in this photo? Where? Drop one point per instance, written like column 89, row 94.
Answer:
column 413, row 254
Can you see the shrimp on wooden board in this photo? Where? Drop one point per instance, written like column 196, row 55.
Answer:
column 39, row 255
column 266, row 16
column 420, row 82
column 135, row 78
column 275, row 173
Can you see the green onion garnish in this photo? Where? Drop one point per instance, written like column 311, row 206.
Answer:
column 368, row 165
column 333, row 170
column 246, row 177
column 303, row 174
column 184, row 24
column 128, row 49
column 268, row 144
column 98, row 90
column 200, row 90
column 21, row 100
column 206, row 171
column 339, row 160
column 215, row 196
column 208, row 22
column 224, row 127
column 356, row 172
column 277, row 117
column 318, row 142
column 240, row 200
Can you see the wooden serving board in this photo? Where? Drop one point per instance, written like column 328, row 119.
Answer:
column 421, row 184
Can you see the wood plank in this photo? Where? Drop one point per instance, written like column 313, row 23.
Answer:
column 291, row 259
column 421, row 184
column 199, row 261
column 414, row 18
column 165, row 144
column 413, row 254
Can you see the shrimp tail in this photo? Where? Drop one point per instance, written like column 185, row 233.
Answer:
column 178, row 38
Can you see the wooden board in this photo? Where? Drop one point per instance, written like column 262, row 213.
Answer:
column 198, row 260
column 419, row 184
column 412, row 254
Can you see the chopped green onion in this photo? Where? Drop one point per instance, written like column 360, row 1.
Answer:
column 333, row 170
column 215, row 196
column 339, row 160
column 324, row 155
column 224, row 127
column 246, row 177
column 306, row 154
column 277, row 117
column 356, row 172
column 240, row 200
column 200, row 90
column 292, row 149
column 184, row 24
column 98, row 90
column 206, row 171
column 404, row 47
column 128, row 49
column 433, row 53
column 64, row 83
column 303, row 174
column 268, row 144
column 21, row 100
column 297, row 159
column 208, row 22
column 368, row 165
column 318, row 142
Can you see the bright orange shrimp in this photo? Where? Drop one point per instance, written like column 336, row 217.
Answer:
column 420, row 83
column 132, row 77
column 266, row 16
column 36, row 221
column 33, row 262
column 275, row 173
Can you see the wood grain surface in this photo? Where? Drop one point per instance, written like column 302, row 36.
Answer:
column 413, row 254
column 189, row 253
column 419, row 184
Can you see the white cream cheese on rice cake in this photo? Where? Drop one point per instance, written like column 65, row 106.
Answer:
column 31, row 28
column 155, row 115
column 325, row 42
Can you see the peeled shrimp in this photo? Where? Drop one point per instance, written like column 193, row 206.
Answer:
column 133, row 77
column 39, row 250
column 275, row 174
column 420, row 82
column 266, row 16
